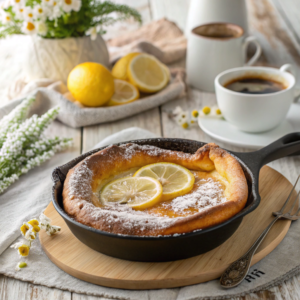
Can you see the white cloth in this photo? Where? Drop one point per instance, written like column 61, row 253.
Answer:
column 27, row 197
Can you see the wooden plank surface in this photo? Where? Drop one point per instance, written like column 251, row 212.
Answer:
column 149, row 120
column 275, row 23
column 11, row 289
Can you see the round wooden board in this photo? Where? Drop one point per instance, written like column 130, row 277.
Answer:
column 80, row 261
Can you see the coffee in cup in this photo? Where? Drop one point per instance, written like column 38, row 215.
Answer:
column 255, row 84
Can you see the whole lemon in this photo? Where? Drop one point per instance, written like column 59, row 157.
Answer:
column 91, row 84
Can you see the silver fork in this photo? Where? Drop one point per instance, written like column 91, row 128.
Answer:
column 238, row 270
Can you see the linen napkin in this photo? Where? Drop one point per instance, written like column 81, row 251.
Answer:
column 32, row 192
column 161, row 38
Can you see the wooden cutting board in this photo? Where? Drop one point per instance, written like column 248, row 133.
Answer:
column 80, row 261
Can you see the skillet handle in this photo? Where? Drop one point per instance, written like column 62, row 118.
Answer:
column 287, row 145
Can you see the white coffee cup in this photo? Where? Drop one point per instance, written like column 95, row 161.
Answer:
column 214, row 48
column 255, row 112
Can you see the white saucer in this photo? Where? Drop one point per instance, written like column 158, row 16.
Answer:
column 223, row 131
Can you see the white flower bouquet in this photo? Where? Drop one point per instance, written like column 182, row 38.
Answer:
column 23, row 144
column 60, row 18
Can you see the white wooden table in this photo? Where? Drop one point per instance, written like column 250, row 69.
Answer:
column 276, row 23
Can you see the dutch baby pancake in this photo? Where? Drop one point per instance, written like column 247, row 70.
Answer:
column 143, row 190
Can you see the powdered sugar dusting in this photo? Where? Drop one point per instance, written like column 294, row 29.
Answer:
column 131, row 149
column 206, row 194
column 128, row 218
column 80, row 182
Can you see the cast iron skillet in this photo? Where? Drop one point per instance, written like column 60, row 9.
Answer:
column 168, row 248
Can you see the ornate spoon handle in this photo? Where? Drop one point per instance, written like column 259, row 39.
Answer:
column 238, row 270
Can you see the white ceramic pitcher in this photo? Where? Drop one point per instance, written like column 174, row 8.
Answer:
column 212, row 11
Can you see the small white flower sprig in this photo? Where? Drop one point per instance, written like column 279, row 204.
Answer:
column 29, row 231
column 23, row 145
column 186, row 119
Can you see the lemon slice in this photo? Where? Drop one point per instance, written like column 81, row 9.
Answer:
column 137, row 192
column 125, row 93
column 147, row 73
column 175, row 180
column 119, row 70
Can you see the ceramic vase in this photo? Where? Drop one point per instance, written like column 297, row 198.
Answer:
column 55, row 58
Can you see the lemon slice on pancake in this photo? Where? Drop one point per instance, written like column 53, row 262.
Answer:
column 175, row 179
column 137, row 192
column 125, row 93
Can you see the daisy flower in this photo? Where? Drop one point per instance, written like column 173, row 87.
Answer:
column 195, row 113
column 206, row 110
column 216, row 112
column 30, row 235
column 211, row 112
column 56, row 10
column 29, row 231
column 23, row 247
column 23, row 250
column 29, row 27
column 5, row 17
column 24, row 228
column 19, row 12
column 15, row 3
column 181, row 117
column 40, row 12
column 69, row 5
column 28, row 14
column 35, row 225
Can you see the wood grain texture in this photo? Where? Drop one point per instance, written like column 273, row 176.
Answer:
column 100, row 269
column 149, row 120
column 12, row 289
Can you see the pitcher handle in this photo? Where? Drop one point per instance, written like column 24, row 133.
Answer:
column 255, row 57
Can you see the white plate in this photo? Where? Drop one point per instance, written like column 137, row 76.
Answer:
column 223, row 131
